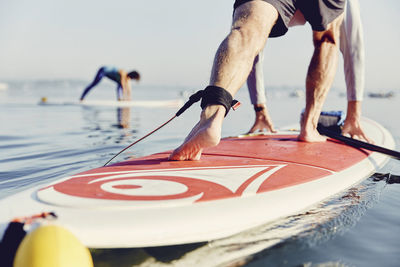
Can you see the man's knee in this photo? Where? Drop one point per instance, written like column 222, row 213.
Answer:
column 249, row 37
column 331, row 35
column 253, row 21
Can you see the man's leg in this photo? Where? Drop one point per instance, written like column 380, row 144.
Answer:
column 252, row 23
column 321, row 73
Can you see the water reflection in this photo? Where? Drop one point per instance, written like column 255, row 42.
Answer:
column 123, row 117
column 100, row 125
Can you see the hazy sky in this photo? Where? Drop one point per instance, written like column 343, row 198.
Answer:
column 170, row 42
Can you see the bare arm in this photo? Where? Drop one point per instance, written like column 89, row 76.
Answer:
column 126, row 85
column 255, row 83
column 352, row 48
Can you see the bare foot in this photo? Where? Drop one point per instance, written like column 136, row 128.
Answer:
column 206, row 133
column 311, row 136
column 309, row 132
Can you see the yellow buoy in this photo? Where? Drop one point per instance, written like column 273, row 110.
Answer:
column 52, row 246
column 44, row 99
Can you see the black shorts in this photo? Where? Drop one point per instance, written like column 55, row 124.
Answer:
column 319, row 13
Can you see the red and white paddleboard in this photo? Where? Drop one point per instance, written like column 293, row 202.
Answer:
column 241, row 183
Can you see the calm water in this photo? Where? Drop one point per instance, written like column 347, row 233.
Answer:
column 39, row 144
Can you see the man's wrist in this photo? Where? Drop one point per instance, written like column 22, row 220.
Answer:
column 259, row 107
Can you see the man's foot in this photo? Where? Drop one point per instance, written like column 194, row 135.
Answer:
column 311, row 136
column 309, row 132
column 206, row 133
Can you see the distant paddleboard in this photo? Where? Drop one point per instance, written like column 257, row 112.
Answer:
column 110, row 103
column 244, row 182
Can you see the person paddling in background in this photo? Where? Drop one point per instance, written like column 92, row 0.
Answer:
column 352, row 48
column 253, row 22
column 121, row 77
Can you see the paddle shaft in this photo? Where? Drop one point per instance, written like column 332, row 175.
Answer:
column 357, row 143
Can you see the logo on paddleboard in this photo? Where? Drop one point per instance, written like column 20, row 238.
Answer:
column 159, row 187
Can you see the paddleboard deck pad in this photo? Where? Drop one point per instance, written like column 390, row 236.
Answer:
column 242, row 183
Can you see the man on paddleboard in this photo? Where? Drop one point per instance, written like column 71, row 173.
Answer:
column 352, row 48
column 121, row 77
column 253, row 22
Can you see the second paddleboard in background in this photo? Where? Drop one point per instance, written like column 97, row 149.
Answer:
column 110, row 103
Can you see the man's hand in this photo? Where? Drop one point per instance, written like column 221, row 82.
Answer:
column 263, row 121
column 352, row 126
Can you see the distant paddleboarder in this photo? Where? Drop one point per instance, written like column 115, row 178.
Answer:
column 121, row 77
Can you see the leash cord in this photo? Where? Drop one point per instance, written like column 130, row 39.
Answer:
column 192, row 99
column 137, row 141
